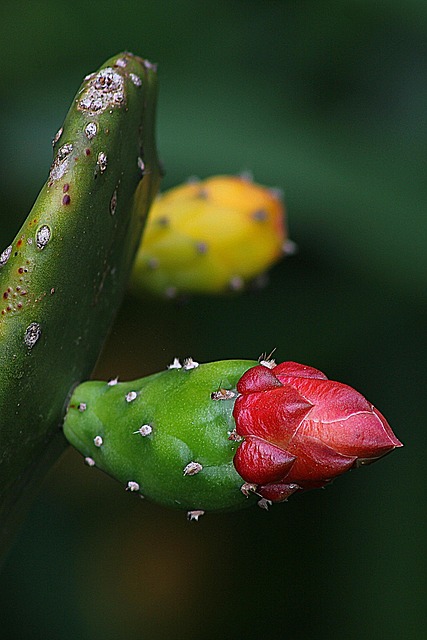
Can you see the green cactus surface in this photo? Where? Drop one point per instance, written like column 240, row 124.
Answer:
column 169, row 436
column 63, row 276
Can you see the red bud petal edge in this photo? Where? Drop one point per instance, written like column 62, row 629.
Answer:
column 301, row 430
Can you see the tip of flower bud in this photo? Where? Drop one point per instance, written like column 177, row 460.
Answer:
column 384, row 445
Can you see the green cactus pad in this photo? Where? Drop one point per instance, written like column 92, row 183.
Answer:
column 166, row 436
column 63, row 277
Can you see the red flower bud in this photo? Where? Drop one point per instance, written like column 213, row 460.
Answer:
column 302, row 430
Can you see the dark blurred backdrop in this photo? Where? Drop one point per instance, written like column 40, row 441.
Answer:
column 326, row 100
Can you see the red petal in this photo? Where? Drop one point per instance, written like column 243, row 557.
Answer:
column 316, row 461
column 260, row 462
column 273, row 415
column 362, row 435
column 293, row 369
column 301, row 428
column 258, row 378
column 344, row 420
column 331, row 400
column 277, row 492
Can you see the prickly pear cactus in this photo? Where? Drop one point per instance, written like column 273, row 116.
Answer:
column 169, row 436
column 210, row 237
column 64, row 275
column 214, row 436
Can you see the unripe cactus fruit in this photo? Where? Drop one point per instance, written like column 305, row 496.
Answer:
column 210, row 237
column 64, row 275
column 215, row 436
column 166, row 435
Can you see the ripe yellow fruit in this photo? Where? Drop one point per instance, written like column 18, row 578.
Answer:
column 210, row 237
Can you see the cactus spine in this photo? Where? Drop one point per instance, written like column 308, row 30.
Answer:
column 169, row 436
column 64, row 275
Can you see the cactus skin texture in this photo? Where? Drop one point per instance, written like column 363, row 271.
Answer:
column 165, row 435
column 210, row 237
column 215, row 436
column 63, row 277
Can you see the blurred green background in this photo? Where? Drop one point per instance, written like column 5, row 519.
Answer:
column 326, row 100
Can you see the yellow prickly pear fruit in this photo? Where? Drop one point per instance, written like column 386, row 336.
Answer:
column 210, row 237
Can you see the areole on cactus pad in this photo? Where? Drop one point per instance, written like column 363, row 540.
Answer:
column 222, row 435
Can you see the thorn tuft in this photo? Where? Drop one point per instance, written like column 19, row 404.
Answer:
column 5, row 255
column 189, row 364
column 175, row 364
column 132, row 486
column 192, row 468
column 102, row 161
column 236, row 283
column 290, row 248
column 266, row 360
column 247, row 488
column 195, row 515
column 131, row 396
column 264, row 504
column 234, row 436
column 223, row 394
column 144, row 430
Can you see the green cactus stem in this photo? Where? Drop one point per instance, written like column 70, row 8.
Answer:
column 63, row 277
column 169, row 436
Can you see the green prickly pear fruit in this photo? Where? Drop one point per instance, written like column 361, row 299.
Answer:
column 63, row 277
column 210, row 237
column 168, row 436
column 214, row 436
